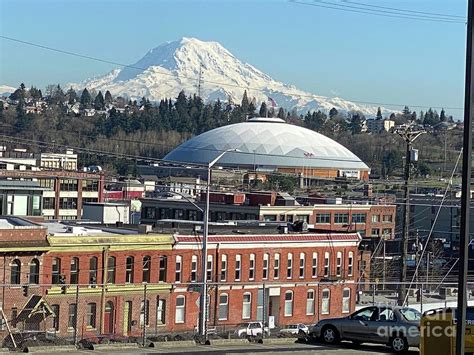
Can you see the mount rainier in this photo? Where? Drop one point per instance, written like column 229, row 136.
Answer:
column 174, row 66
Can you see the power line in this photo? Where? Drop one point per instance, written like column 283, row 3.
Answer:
column 214, row 82
column 405, row 10
column 369, row 12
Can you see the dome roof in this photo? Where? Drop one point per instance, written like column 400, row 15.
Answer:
column 266, row 142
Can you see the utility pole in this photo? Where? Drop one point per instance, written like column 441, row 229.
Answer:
column 466, row 184
column 409, row 135
column 384, row 266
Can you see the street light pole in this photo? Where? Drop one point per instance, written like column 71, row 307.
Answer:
column 203, row 296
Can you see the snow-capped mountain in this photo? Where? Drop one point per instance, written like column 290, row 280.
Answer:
column 174, row 66
column 6, row 90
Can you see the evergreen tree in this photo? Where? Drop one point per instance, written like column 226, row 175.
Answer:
column 442, row 116
column 86, row 99
column 333, row 112
column 35, row 94
column 108, row 97
column 99, row 102
column 281, row 113
column 263, row 110
column 71, row 96
column 251, row 110
column 379, row 114
column 406, row 110
column 245, row 105
column 356, row 123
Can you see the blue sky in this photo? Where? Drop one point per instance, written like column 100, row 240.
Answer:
column 324, row 51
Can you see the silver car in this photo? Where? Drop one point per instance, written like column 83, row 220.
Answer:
column 395, row 326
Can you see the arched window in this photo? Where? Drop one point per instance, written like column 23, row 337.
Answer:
column 194, row 268
column 93, row 264
column 56, row 271
column 210, row 268
column 325, row 301
column 247, row 305
column 111, row 269
column 223, row 306
column 266, row 261
column 302, row 265
column 15, row 272
column 314, row 265
column 276, row 266
column 238, row 266
column 289, row 266
column 223, row 267
column 129, row 269
column 346, row 300
column 178, row 267
column 74, row 278
column 252, row 267
column 146, row 268
column 288, row 303
column 338, row 263
column 326, row 264
column 163, row 266
column 350, row 264
column 34, row 271
column 180, row 309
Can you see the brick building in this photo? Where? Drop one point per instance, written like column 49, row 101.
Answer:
column 98, row 279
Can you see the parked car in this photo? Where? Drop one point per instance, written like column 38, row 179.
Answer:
column 250, row 329
column 395, row 326
column 294, row 329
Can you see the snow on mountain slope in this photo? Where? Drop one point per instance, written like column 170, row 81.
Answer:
column 174, row 66
column 6, row 90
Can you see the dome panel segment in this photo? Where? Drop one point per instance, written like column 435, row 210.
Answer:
column 266, row 143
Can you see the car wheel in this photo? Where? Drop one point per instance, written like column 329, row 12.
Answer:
column 330, row 335
column 399, row 344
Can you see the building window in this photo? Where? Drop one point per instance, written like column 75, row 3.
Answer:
column 163, row 266
column 91, row 313
column 375, row 232
column 375, row 218
column 314, row 265
column 56, row 271
column 144, row 313
column 90, row 185
column 326, row 264
column 387, row 218
column 71, row 323
column 161, row 312
column 129, row 269
column 276, row 266
column 34, row 272
column 266, row 260
column 387, row 232
column 111, row 270
column 49, row 203
column 68, row 185
column 270, row 217
column 68, row 203
column 15, row 272
column 177, row 276
column 223, row 267
column 238, row 265
column 223, row 306
column 302, row 265
column 246, row 305
column 288, row 303
column 325, row 302
column 194, row 266
column 209, row 269
column 346, row 300
column 146, row 268
column 289, row 267
column 358, row 218
column 74, row 277
column 310, row 302
column 93, row 270
column 252, row 267
column 180, row 309
column 56, row 315
column 338, row 263
column 350, row 264
column 323, row 218
column 341, row 218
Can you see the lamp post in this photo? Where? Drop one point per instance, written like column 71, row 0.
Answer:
column 203, row 296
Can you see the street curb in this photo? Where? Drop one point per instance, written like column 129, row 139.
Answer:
column 282, row 341
column 229, row 341
column 170, row 344
column 112, row 346
column 49, row 349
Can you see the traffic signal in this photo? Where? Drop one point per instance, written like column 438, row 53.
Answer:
column 62, row 282
column 25, row 290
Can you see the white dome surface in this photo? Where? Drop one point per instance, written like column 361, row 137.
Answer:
column 266, row 142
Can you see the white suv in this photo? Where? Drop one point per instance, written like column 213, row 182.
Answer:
column 250, row 329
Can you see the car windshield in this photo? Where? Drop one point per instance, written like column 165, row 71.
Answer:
column 410, row 314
